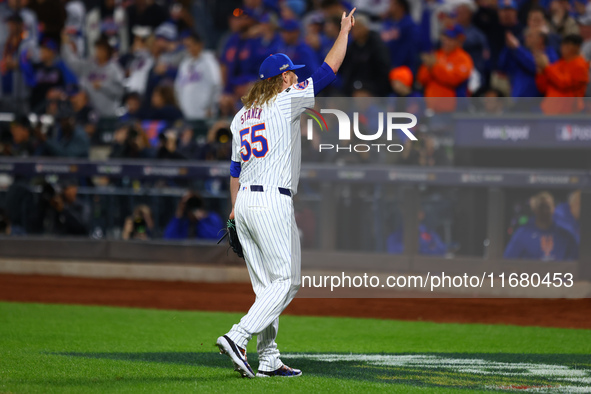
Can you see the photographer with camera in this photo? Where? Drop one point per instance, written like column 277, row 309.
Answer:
column 192, row 220
column 167, row 146
column 22, row 143
column 139, row 225
column 219, row 142
column 60, row 211
column 131, row 142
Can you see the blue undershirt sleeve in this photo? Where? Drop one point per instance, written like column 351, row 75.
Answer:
column 235, row 169
column 323, row 77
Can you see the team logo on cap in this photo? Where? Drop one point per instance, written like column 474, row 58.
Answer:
column 262, row 76
column 283, row 67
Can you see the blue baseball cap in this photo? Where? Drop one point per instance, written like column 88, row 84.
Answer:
column 50, row 44
column 289, row 25
column 507, row 4
column 276, row 64
column 454, row 31
column 297, row 6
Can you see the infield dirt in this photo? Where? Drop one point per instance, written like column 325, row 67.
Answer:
column 238, row 297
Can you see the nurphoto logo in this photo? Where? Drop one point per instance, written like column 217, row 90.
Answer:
column 344, row 130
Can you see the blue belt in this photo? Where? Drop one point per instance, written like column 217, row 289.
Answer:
column 259, row 188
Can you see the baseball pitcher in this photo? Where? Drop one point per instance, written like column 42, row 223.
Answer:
column 265, row 170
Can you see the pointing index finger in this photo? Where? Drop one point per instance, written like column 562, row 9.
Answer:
column 352, row 11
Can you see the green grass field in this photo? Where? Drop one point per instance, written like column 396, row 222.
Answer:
column 56, row 348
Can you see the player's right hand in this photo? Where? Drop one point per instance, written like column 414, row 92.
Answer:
column 347, row 21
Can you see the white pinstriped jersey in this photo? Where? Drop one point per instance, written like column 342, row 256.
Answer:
column 266, row 140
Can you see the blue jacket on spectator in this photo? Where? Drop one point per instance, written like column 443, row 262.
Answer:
column 241, row 60
column 477, row 47
column 520, row 66
column 206, row 228
column 41, row 78
column 430, row 243
column 531, row 242
column 564, row 218
column 401, row 37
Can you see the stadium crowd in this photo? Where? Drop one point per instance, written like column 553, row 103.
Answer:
column 153, row 64
column 155, row 68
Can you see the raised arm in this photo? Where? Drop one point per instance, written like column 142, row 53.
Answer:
column 335, row 56
column 326, row 73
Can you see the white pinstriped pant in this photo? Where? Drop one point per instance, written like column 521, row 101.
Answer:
column 270, row 239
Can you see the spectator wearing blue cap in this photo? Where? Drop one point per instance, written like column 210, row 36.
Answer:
column 239, row 66
column 45, row 73
column 167, row 55
column 401, row 35
column 494, row 23
column 198, row 84
column 518, row 62
column 167, row 40
column 296, row 48
column 268, row 39
column 101, row 77
column 367, row 62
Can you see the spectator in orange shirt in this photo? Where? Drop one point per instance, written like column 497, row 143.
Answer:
column 567, row 78
column 445, row 73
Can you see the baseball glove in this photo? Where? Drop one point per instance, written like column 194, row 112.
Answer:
column 232, row 235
